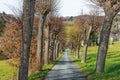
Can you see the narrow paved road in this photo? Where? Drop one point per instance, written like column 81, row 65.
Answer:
column 65, row 69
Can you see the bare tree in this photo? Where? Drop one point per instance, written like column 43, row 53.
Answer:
column 111, row 8
column 82, row 22
column 88, row 24
column 43, row 7
column 94, row 24
column 28, row 16
column 76, row 37
column 84, row 54
column 56, row 25
column 47, row 43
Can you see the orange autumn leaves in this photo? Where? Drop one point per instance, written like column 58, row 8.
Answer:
column 11, row 42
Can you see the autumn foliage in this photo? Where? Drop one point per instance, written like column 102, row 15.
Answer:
column 11, row 44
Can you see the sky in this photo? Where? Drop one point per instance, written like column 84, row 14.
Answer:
column 8, row 5
column 67, row 7
column 73, row 7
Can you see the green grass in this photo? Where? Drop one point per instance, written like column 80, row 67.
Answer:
column 68, row 25
column 41, row 74
column 112, row 70
column 68, row 29
column 6, row 71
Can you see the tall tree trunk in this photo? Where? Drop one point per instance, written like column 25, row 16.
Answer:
column 47, row 44
column 57, row 48
column 40, row 40
column 78, row 52
column 84, row 54
column 28, row 17
column 53, row 46
column 60, row 48
column 50, row 53
column 103, row 47
column 75, row 50
column 71, row 46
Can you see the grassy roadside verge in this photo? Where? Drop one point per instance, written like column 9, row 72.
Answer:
column 112, row 70
column 41, row 75
column 7, row 72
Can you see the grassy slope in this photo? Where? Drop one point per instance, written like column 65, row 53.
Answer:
column 6, row 71
column 112, row 70
column 68, row 25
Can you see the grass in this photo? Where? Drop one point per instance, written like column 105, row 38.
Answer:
column 6, row 71
column 68, row 25
column 41, row 74
column 112, row 69
column 68, row 29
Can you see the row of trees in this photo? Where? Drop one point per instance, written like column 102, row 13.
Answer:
column 87, row 28
column 89, row 25
column 36, row 38
column 50, row 34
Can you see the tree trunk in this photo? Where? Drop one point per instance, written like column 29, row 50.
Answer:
column 84, row 54
column 78, row 52
column 28, row 17
column 75, row 50
column 50, row 53
column 57, row 48
column 53, row 46
column 60, row 48
column 103, row 47
column 40, row 40
column 47, row 44
column 71, row 47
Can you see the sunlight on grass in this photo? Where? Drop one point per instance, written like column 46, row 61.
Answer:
column 68, row 25
column 112, row 70
column 6, row 71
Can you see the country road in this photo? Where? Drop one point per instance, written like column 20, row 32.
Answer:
column 65, row 69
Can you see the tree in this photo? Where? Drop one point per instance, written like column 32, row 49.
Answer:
column 76, row 38
column 84, row 54
column 4, row 19
column 28, row 16
column 48, row 30
column 94, row 22
column 82, row 22
column 56, row 26
column 47, row 42
column 111, row 8
column 43, row 7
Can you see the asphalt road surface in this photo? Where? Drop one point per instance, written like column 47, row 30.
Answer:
column 65, row 69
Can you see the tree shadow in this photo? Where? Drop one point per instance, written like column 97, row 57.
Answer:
column 78, row 60
column 113, row 68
